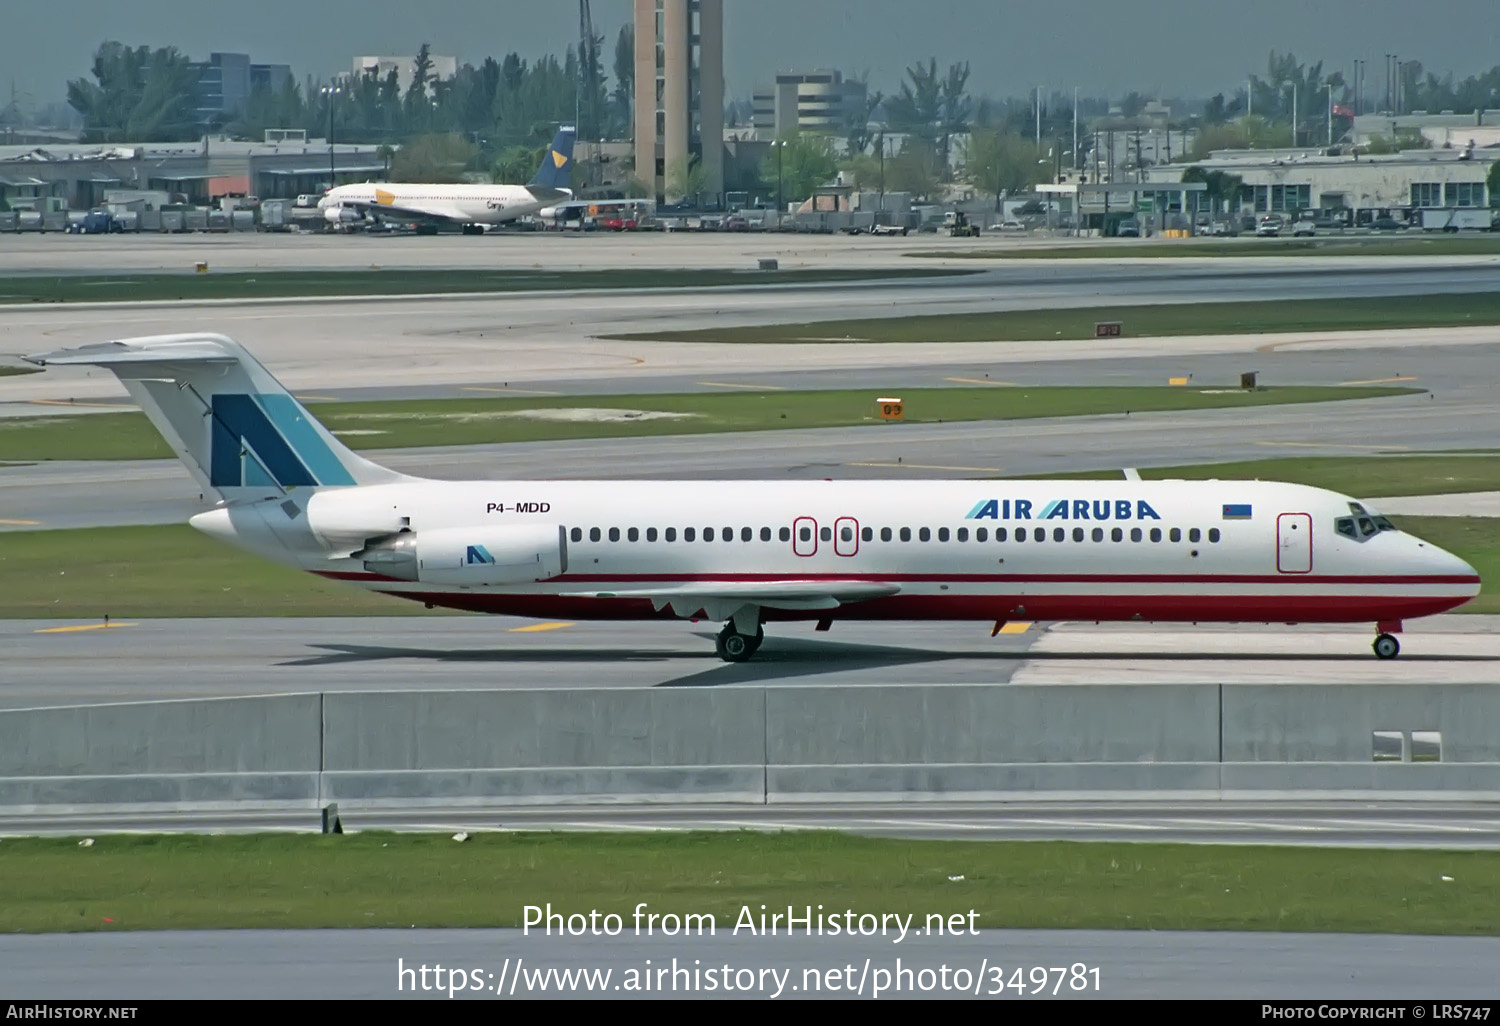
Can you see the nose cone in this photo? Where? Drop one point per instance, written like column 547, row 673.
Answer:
column 1454, row 571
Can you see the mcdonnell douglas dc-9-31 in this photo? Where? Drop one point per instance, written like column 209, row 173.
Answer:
column 748, row 553
column 470, row 206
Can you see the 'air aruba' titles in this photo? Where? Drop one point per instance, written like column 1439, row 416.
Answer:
column 1064, row 509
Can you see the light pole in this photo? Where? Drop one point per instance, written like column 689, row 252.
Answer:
column 780, row 146
column 882, row 177
column 331, row 91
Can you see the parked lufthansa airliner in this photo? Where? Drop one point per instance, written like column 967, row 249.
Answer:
column 749, row 553
column 472, row 206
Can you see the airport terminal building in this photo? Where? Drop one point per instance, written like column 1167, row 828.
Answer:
column 58, row 178
column 1290, row 181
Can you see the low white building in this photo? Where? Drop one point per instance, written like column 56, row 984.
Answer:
column 1289, row 181
column 405, row 67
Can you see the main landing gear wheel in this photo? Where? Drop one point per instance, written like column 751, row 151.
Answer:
column 1387, row 647
column 733, row 647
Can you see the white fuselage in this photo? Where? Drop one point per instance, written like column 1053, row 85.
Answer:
column 461, row 204
column 951, row 550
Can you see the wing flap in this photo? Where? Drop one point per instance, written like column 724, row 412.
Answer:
column 720, row 599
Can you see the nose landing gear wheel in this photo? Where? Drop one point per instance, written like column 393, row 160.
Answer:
column 733, row 647
column 1387, row 647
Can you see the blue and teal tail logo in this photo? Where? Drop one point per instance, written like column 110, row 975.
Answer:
column 479, row 556
column 268, row 439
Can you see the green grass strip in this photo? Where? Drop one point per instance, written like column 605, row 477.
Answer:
column 1435, row 473
column 403, row 880
column 393, row 425
column 1241, row 318
column 118, row 288
column 173, row 571
column 1339, row 246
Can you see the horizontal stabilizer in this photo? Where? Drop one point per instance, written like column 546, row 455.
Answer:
column 162, row 349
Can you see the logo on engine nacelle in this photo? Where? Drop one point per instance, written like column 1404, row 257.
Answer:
column 478, row 555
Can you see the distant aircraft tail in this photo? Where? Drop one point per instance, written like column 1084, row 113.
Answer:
column 556, row 172
column 240, row 433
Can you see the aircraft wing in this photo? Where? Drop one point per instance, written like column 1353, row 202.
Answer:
column 414, row 212
column 719, row 600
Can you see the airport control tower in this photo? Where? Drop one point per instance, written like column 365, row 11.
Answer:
column 679, row 95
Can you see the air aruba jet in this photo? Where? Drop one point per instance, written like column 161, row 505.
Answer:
column 472, row 206
column 748, row 553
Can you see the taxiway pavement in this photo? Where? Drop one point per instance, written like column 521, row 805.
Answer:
column 86, row 662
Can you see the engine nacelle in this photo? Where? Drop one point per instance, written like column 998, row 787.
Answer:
column 345, row 520
column 471, row 557
column 342, row 215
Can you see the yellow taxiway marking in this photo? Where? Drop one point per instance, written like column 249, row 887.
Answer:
column 519, row 391
column 753, row 388
column 1376, row 381
column 539, row 627
column 1331, row 445
column 84, row 627
column 1015, row 628
column 21, row 523
column 983, row 381
column 68, row 402
column 924, row 466
column 317, row 398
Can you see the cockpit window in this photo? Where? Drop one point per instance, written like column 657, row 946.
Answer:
column 1356, row 508
column 1362, row 527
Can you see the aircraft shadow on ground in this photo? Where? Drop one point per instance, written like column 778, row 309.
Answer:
column 784, row 658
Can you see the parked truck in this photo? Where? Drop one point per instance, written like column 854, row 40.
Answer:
column 1455, row 219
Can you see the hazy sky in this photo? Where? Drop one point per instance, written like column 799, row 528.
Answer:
column 1167, row 47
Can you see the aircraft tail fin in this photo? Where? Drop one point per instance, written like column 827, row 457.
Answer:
column 240, row 433
column 556, row 172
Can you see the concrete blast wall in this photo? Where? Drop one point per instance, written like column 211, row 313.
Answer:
column 756, row 744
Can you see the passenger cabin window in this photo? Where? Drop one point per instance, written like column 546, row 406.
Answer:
column 1098, row 534
column 942, row 534
column 614, row 534
column 651, row 534
column 826, row 533
column 1195, row 535
column 708, row 534
column 804, row 533
column 1078, row 534
column 748, row 534
column 785, row 534
column 634, row 534
column 867, row 534
column 688, row 534
column 981, row 534
column 1176, row 535
column 846, row 533
column 885, row 534
column 906, row 534
column 1135, row 534
column 963, row 534
column 925, row 534
column 1001, row 534
column 595, row 534
column 765, row 534
column 576, row 534
column 1213, row 535
column 671, row 534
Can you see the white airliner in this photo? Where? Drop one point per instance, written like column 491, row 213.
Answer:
column 748, row 553
column 472, row 206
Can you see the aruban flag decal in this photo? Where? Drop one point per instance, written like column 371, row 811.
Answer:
column 1236, row 512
